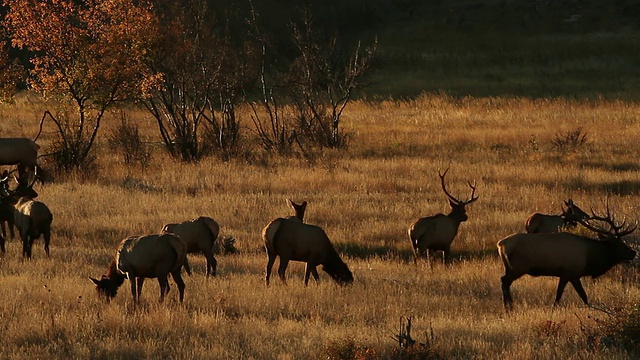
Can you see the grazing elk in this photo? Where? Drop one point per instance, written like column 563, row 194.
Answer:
column 541, row 223
column 292, row 240
column 147, row 256
column 22, row 152
column 31, row 218
column 564, row 255
column 200, row 236
column 437, row 232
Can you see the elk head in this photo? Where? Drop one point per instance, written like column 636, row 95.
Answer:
column 24, row 189
column 458, row 206
column 298, row 208
column 572, row 214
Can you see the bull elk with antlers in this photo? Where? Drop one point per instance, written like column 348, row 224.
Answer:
column 565, row 255
column 541, row 223
column 437, row 232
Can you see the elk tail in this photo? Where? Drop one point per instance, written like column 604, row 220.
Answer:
column 503, row 255
column 269, row 234
column 212, row 226
column 532, row 223
column 181, row 254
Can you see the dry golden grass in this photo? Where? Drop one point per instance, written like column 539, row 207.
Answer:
column 365, row 198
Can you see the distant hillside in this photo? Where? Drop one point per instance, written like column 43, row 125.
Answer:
column 485, row 48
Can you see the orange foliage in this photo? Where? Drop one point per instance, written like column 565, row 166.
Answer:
column 91, row 50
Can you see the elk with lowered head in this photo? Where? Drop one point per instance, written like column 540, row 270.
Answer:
column 200, row 236
column 436, row 233
column 148, row 256
column 32, row 218
column 290, row 239
column 566, row 256
column 541, row 223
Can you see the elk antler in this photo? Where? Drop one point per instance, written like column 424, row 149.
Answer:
column 453, row 199
column 615, row 230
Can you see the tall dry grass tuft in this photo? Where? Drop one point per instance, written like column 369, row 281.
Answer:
column 365, row 198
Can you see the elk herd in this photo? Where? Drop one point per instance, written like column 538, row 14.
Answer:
column 547, row 248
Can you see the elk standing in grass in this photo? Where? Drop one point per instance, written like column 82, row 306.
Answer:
column 437, row 232
column 200, row 236
column 564, row 255
column 290, row 239
column 541, row 223
column 32, row 218
column 148, row 256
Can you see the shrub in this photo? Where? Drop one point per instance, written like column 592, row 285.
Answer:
column 570, row 140
column 620, row 329
column 126, row 139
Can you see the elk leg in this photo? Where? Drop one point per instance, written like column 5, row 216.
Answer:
column 507, row 280
column 445, row 256
column 272, row 259
column 211, row 262
column 164, row 284
column 414, row 247
column 134, row 284
column 314, row 272
column 282, row 268
column 47, row 240
column 310, row 268
column 177, row 277
column 26, row 245
column 2, row 241
column 561, row 284
column 577, row 284
column 139, row 281
column 4, row 231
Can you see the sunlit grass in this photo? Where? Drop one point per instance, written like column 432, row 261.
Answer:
column 365, row 198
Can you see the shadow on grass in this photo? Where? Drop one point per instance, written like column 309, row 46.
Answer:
column 364, row 252
column 622, row 188
column 359, row 251
column 613, row 167
column 468, row 255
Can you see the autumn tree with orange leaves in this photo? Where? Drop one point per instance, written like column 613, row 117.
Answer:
column 86, row 53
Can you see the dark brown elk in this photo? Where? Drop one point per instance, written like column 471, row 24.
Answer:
column 436, row 233
column 292, row 240
column 142, row 257
column 22, row 152
column 31, row 218
column 6, row 209
column 541, row 223
column 564, row 255
column 200, row 236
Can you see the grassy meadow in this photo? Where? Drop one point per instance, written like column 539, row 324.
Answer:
column 365, row 198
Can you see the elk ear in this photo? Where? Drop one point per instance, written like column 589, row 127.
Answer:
column 452, row 204
column 95, row 281
column 304, row 204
